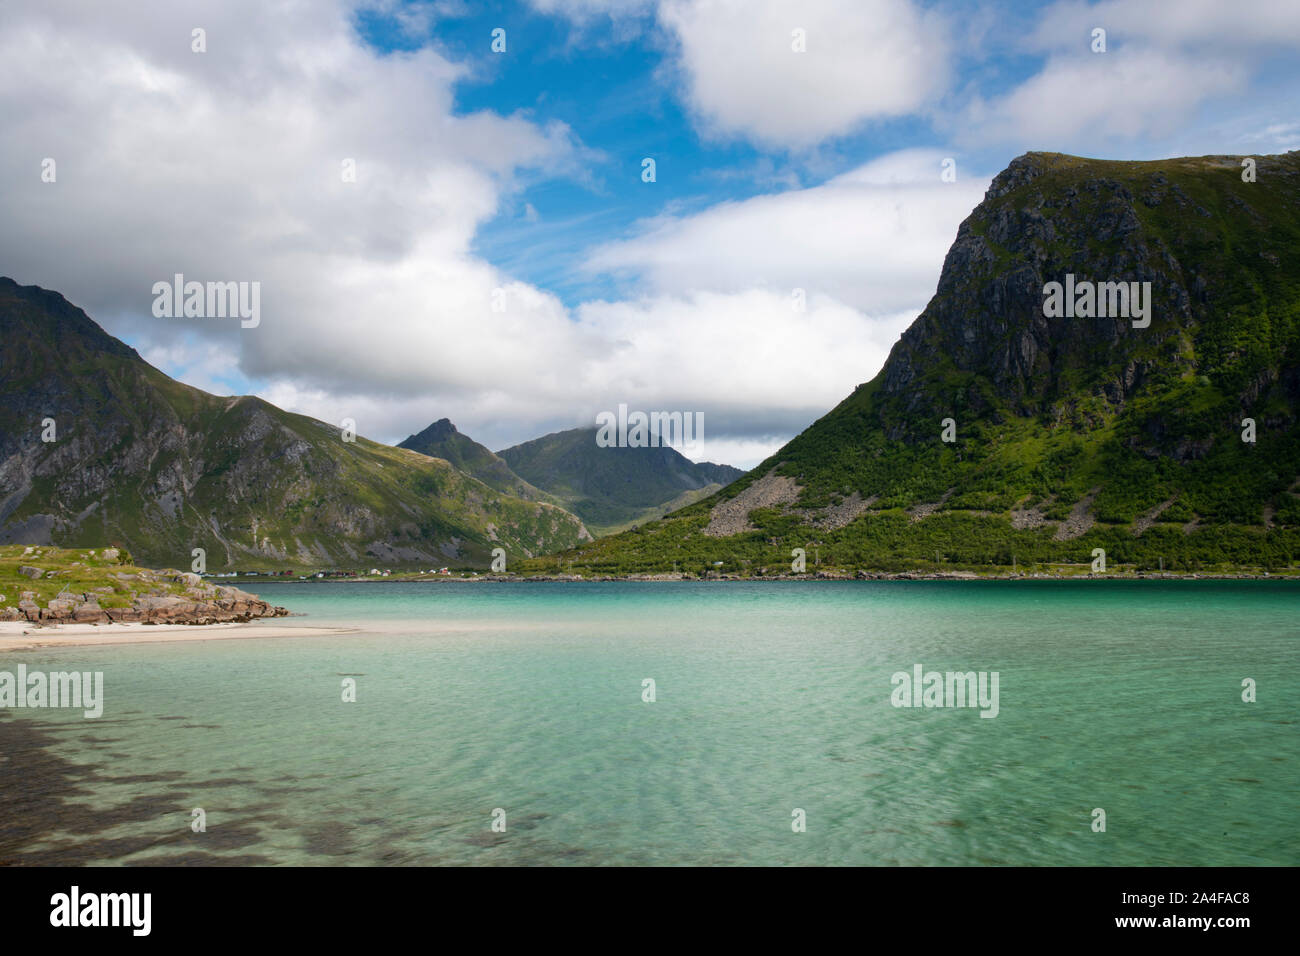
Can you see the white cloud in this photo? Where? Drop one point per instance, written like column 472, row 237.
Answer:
column 873, row 238
column 758, row 370
column 1178, row 76
column 207, row 364
column 1275, row 138
column 864, row 60
column 1086, row 100
column 1212, row 24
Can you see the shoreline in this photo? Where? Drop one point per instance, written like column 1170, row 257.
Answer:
column 668, row 576
column 22, row 636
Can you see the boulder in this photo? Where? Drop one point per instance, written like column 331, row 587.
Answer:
column 165, row 609
column 89, row 613
column 60, row 610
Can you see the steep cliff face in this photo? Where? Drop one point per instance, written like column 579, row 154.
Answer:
column 1018, row 419
column 141, row 460
column 1220, row 255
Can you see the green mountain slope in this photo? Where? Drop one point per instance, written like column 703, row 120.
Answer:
column 443, row 440
column 612, row 488
column 144, row 461
column 1071, row 433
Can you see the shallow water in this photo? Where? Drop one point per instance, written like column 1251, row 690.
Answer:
column 770, row 697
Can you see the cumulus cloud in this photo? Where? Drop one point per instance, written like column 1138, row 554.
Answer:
column 740, row 74
column 1207, row 23
column 227, row 164
column 864, row 60
column 750, row 359
column 872, row 238
column 1176, row 75
column 1120, row 96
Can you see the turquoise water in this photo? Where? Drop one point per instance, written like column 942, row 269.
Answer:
column 1124, row 696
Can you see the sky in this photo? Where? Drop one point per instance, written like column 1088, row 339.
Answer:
column 502, row 256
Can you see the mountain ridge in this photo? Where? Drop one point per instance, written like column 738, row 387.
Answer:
column 615, row 487
column 142, row 460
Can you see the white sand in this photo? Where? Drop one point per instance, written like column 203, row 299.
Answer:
column 17, row 635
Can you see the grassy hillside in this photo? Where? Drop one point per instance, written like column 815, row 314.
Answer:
column 107, row 572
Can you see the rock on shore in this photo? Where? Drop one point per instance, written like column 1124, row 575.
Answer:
column 200, row 604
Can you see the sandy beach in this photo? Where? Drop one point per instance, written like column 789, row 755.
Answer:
column 19, row 635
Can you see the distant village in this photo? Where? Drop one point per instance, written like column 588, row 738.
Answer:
column 372, row 573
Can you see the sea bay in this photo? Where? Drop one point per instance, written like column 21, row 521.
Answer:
column 770, row 698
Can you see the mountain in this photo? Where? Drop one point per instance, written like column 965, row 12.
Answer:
column 613, row 488
column 443, row 440
column 144, row 461
column 1120, row 432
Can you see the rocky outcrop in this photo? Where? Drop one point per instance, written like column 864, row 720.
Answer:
column 201, row 604
column 732, row 515
column 1047, row 215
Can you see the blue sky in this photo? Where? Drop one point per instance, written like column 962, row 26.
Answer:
column 607, row 83
column 499, row 259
